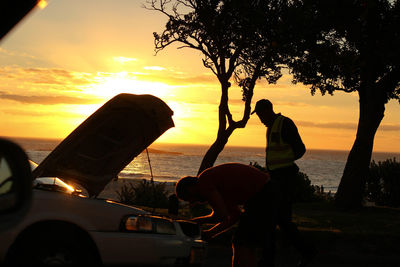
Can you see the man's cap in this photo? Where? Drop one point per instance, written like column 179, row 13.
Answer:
column 262, row 105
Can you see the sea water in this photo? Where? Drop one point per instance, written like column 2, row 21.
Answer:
column 169, row 162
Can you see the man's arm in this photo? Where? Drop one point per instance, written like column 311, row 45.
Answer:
column 291, row 135
column 210, row 218
column 221, row 227
column 224, row 216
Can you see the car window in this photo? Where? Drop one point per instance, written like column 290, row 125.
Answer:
column 33, row 164
column 53, row 183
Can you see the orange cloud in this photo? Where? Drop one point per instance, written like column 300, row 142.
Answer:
column 334, row 125
column 49, row 76
column 36, row 113
column 49, row 100
column 345, row 125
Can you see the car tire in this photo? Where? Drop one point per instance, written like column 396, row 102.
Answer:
column 54, row 247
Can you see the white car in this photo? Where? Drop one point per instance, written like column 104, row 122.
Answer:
column 63, row 227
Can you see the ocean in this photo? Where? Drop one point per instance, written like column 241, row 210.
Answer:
column 169, row 162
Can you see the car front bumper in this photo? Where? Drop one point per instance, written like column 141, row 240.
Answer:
column 144, row 249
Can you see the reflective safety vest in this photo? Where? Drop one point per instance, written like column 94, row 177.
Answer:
column 278, row 153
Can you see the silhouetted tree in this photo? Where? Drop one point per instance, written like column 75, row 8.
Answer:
column 352, row 46
column 226, row 32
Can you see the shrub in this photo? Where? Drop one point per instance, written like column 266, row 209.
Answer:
column 144, row 193
column 126, row 194
column 383, row 183
column 304, row 191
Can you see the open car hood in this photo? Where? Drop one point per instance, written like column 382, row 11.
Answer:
column 98, row 149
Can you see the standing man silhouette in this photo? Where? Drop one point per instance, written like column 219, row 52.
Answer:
column 284, row 146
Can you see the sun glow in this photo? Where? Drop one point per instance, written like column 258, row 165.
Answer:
column 108, row 85
column 84, row 111
column 123, row 60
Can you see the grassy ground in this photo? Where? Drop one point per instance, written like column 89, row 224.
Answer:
column 369, row 237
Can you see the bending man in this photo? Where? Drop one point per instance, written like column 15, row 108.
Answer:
column 226, row 188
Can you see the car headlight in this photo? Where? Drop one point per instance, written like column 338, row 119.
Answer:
column 148, row 224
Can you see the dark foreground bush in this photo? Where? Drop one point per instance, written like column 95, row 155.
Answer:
column 304, row 191
column 383, row 183
column 144, row 193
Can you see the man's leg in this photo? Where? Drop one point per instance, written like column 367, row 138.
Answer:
column 285, row 178
column 256, row 229
column 268, row 256
column 243, row 256
column 286, row 225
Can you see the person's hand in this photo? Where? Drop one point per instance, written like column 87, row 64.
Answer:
column 194, row 220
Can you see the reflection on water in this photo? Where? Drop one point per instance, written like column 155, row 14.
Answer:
column 323, row 167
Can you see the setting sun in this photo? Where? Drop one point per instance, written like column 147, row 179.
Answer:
column 107, row 85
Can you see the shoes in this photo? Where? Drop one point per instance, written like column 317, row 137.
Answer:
column 306, row 258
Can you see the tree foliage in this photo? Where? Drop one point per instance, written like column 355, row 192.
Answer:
column 346, row 43
column 351, row 46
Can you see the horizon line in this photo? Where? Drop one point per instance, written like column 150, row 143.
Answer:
column 191, row 144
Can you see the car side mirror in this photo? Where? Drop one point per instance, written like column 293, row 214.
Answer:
column 15, row 183
column 12, row 12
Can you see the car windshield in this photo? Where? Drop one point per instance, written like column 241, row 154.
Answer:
column 51, row 182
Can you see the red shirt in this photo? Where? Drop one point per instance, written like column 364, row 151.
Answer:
column 235, row 182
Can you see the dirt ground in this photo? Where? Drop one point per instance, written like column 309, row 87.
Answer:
column 334, row 250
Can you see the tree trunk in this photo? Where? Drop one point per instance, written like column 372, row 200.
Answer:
column 223, row 134
column 225, row 118
column 215, row 149
column 352, row 185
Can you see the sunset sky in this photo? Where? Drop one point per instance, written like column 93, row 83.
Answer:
column 64, row 61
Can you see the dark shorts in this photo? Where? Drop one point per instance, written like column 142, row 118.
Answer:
column 258, row 221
